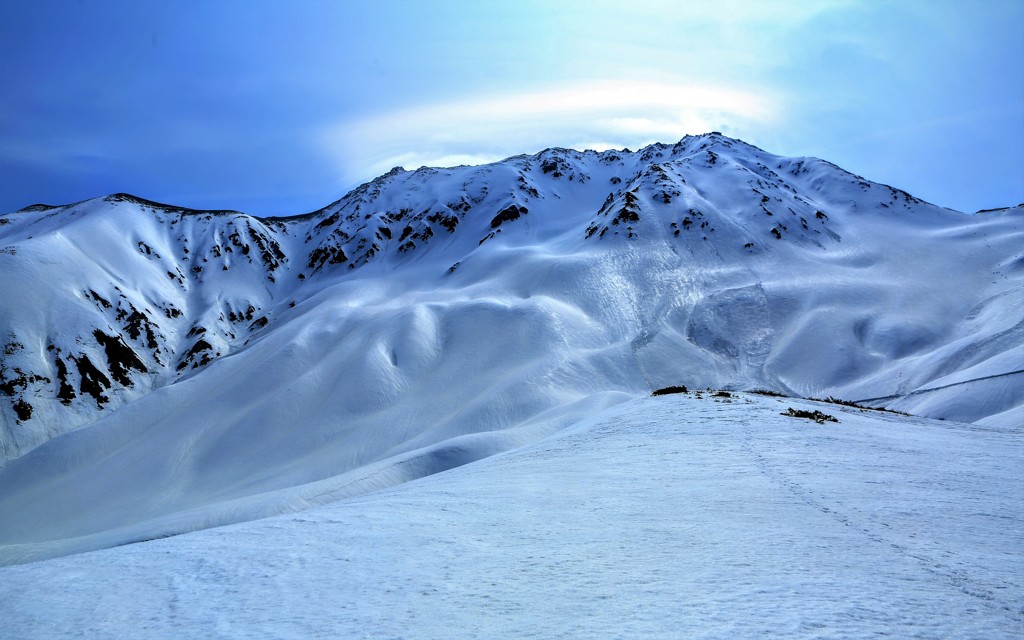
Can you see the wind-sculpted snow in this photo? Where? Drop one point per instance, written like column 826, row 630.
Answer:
column 181, row 364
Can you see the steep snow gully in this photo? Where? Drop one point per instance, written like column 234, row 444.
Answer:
column 165, row 370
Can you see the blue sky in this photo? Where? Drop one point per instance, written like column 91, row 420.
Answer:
column 277, row 108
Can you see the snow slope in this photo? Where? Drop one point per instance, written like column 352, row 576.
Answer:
column 664, row 517
column 167, row 370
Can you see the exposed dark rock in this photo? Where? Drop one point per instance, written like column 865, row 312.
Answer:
column 197, row 356
column 65, row 392
column 329, row 254
column 527, row 188
column 14, row 380
column 269, row 248
column 446, row 221
column 509, row 213
column 92, row 381
column 817, row 416
column 664, row 391
column 626, row 215
column 100, row 300
column 242, row 316
column 135, row 323
column 22, row 409
column 120, row 357
column 630, row 211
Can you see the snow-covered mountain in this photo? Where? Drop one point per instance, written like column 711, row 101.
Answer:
column 166, row 369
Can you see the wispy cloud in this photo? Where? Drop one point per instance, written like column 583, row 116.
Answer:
column 598, row 114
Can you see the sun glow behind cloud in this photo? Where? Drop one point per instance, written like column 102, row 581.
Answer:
column 597, row 115
column 276, row 108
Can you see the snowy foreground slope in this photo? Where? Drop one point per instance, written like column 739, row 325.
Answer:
column 668, row 517
column 165, row 370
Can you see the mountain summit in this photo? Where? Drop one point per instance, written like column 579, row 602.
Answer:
column 186, row 360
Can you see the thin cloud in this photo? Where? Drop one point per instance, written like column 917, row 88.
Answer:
column 620, row 113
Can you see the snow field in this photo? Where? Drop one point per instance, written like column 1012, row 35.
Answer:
column 661, row 517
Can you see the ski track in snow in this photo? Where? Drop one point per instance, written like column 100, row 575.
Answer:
column 662, row 518
column 945, row 386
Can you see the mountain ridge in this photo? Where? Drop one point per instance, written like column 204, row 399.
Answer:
column 645, row 150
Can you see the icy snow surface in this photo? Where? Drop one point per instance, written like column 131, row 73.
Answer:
column 668, row 517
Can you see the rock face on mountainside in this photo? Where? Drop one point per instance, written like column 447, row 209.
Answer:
column 440, row 302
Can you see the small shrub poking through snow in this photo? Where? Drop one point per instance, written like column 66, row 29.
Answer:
column 854, row 405
column 667, row 390
column 817, row 416
column 766, row 392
